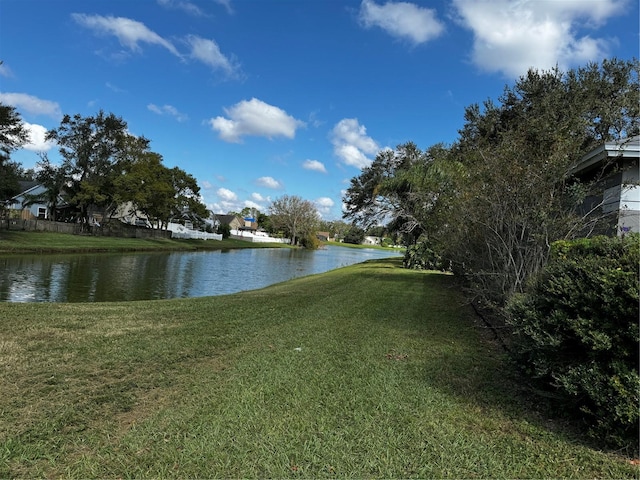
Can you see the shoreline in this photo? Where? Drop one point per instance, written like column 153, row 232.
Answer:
column 17, row 242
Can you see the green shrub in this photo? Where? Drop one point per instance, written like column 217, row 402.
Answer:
column 422, row 257
column 310, row 241
column 225, row 230
column 576, row 331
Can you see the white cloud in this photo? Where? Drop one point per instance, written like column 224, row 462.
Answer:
column 226, row 195
column 31, row 104
column 208, row 52
column 188, row 7
column 351, row 143
column 324, row 205
column 206, row 185
column 269, row 182
column 130, row 33
column 402, row 20
column 254, row 117
column 251, row 204
column 224, row 206
column 259, row 198
column 37, row 142
column 511, row 36
column 168, row 110
column 314, row 165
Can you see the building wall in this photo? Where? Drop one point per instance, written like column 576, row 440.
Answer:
column 629, row 203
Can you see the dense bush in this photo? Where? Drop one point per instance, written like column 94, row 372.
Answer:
column 225, row 230
column 422, row 257
column 576, row 331
column 355, row 235
column 310, row 241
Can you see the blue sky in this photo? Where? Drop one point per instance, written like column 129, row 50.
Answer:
column 261, row 98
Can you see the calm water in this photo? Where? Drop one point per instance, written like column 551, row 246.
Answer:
column 146, row 276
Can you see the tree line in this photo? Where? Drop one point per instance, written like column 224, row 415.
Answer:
column 103, row 167
column 490, row 205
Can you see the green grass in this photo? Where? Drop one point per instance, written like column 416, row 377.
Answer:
column 369, row 371
column 353, row 245
column 16, row 242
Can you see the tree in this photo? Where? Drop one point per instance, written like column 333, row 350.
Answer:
column 91, row 148
column 399, row 188
column 377, row 193
column 336, row 228
column 186, row 194
column 514, row 194
column 297, row 217
column 492, row 203
column 156, row 191
column 355, row 235
column 146, row 183
column 13, row 135
column 264, row 222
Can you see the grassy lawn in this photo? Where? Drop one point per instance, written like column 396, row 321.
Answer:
column 352, row 245
column 46, row 242
column 367, row 371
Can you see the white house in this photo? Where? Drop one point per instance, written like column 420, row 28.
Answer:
column 371, row 240
column 617, row 164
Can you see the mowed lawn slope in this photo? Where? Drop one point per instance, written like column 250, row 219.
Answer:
column 367, row 371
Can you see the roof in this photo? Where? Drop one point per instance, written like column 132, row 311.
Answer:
column 626, row 148
column 27, row 185
column 27, row 188
column 224, row 219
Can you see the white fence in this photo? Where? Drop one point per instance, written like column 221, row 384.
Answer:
column 257, row 237
column 180, row 231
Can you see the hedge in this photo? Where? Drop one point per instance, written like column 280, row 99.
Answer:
column 576, row 333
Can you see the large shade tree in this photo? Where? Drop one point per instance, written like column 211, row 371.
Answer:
column 298, row 218
column 156, row 191
column 92, row 148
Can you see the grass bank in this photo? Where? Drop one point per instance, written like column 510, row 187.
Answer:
column 367, row 371
column 376, row 247
column 17, row 242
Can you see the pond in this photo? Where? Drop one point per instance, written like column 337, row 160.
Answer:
column 150, row 276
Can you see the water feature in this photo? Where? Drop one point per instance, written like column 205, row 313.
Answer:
column 146, row 276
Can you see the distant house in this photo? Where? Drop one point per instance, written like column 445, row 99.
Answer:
column 323, row 236
column 126, row 213
column 28, row 205
column 249, row 224
column 234, row 221
column 370, row 240
column 614, row 167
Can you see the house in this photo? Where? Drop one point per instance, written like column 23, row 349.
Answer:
column 28, row 205
column 234, row 222
column 371, row 240
column 249, row 225
column 126, row 213
column 323, row 236
column 614, row 168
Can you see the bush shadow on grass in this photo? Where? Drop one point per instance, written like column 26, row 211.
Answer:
column 479, row 372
